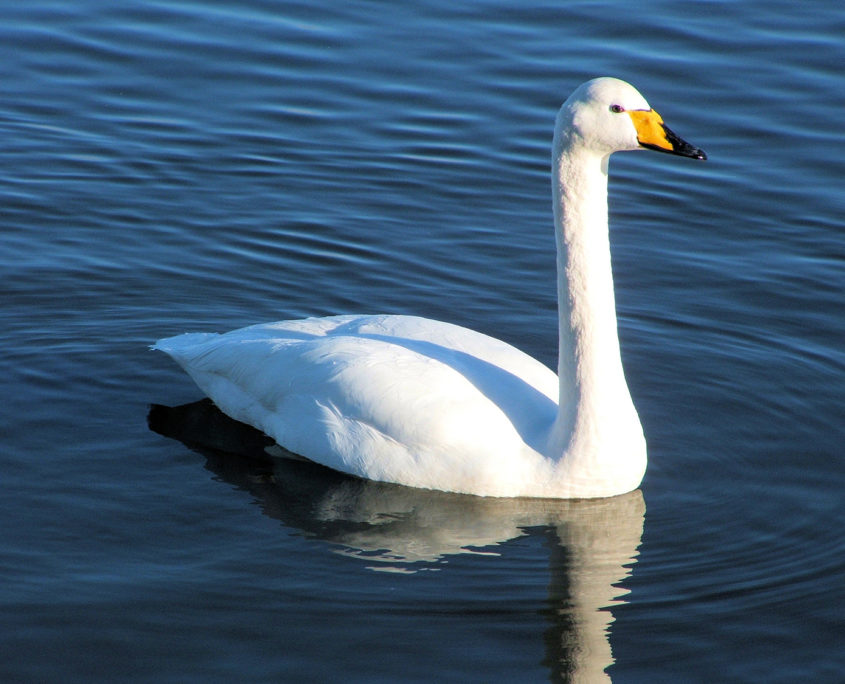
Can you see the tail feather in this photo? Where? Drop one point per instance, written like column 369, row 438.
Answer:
column 177, row 346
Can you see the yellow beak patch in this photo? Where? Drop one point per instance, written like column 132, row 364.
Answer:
column 650, row 129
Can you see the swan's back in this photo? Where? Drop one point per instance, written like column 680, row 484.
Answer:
column 395, row 398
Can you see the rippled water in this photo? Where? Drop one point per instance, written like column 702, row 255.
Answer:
column 200, row 166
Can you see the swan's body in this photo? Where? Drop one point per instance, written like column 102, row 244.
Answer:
column 429, row 404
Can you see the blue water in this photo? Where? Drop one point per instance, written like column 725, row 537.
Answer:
column 172, row 166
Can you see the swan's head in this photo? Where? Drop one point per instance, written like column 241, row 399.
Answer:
column 607, row 115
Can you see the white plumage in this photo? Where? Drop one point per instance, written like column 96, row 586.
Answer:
column 430, row 404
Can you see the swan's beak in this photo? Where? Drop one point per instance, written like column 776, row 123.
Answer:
column 653, row 134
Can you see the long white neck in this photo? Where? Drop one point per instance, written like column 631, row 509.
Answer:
column 597, row 432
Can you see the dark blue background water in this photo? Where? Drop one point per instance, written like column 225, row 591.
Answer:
column 172, row 166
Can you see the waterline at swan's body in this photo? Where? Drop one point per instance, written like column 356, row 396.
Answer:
column 430, row 404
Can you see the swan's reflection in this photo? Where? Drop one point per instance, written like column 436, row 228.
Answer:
column 592, row 544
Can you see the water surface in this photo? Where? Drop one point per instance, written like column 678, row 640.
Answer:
column 201, row 166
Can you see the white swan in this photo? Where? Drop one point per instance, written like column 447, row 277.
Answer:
column 429, row 404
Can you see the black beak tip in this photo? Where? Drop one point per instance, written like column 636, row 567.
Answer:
column 682, row 147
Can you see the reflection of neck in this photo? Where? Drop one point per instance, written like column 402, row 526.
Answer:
column 597, row 428
column 594, row 549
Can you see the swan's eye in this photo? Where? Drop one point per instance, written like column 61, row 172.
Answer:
column 617, row 109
